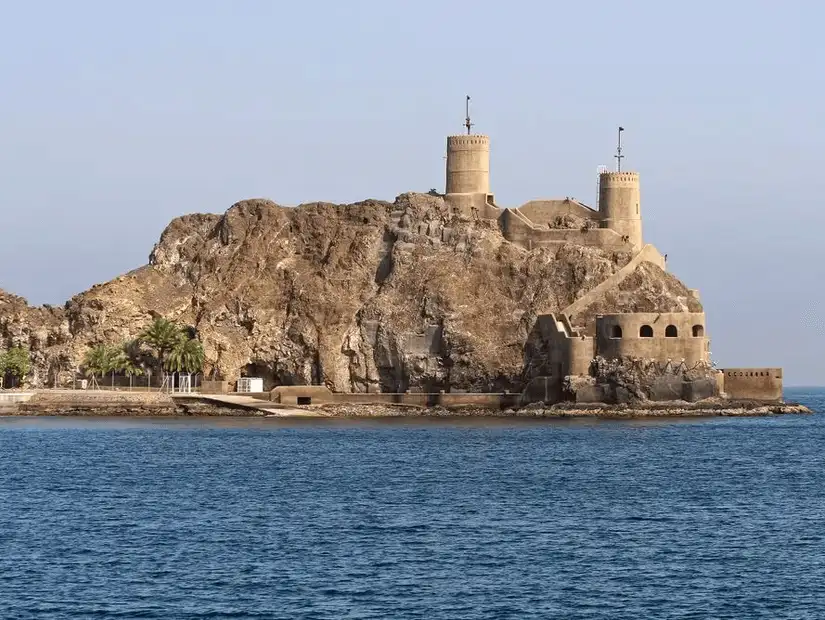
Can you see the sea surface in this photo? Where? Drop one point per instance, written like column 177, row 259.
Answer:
column 229, row 518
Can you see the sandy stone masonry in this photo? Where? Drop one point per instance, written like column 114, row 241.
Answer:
column 615, row 226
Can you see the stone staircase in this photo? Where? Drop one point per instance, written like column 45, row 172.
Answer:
column 648, row 253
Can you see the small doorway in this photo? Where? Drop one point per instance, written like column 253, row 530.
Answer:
column 304, row 400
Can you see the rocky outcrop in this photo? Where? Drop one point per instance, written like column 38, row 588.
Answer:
column 361, row 297
column 637, row 381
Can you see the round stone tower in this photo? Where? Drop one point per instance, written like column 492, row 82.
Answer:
column 468, row 165
column 619, row 205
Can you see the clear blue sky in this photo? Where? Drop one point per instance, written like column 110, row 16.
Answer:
column 117, row 116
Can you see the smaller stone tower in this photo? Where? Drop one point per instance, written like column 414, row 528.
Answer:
column 468, row 164
column 468, row 171
column 619, row 205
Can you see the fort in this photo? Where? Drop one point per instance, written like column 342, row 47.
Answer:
column 571, row 355
column 569, row 345
column 439, row 300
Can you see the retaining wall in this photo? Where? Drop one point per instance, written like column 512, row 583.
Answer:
column 93, row 402
column 302, row 395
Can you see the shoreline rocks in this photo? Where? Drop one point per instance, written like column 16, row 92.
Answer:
column 136, row 404
column 570, row 410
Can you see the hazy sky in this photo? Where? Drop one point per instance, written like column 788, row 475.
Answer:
column 117, row 116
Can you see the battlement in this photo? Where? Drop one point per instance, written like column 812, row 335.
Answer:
column 472, row 141
column 619, row 177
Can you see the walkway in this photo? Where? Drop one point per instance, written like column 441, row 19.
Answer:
column 253, row 404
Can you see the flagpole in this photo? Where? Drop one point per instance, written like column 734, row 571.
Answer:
column 619, row 155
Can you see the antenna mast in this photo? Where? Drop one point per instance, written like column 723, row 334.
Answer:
column 619, row 157
column 467, row 122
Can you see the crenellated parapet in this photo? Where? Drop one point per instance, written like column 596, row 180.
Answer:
column 619, row 178
column 468, row 142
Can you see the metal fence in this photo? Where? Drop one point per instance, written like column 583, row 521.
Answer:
column 166, row 382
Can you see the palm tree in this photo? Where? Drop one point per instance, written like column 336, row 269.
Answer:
column 129, row 360
column 161, row 336
column 138, row 360
column 186, row 356
column 99, row 360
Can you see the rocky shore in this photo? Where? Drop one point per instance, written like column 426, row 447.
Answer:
column 571, row 410
column 69, row 403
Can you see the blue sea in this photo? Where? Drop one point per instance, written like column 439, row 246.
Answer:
column 435, row 519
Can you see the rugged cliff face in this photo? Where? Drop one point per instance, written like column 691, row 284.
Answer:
column 362, row 297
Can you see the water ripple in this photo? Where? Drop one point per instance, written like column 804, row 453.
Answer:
column 714, row 518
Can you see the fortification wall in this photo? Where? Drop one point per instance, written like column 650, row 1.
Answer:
column 570, row 351
column 468, row 165
column 753, row 383
column 658, row 336
column 517, row 229
column 474, row 205
column 542, row 213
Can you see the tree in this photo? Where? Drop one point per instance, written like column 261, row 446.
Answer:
column 186, row 356
column 138, row 354
column 161, row 336
column 16, row 363
column 100, row 360
column 135, row 360
column 129, row 360
column 103, row 359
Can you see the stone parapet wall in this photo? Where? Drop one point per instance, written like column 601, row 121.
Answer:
column 516, row 228
column 753, row 383
column 542, row 213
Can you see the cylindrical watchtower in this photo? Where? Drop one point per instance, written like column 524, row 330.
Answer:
column 468, row 165
column 619, row 205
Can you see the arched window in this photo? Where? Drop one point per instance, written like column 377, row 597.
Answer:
column 645, row 331
column 615, row 332
column 671, row 331
column 698, row 331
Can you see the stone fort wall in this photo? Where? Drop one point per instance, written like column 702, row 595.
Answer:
column 543, row 213
column 753, row 383
column 517, row 229
column 661, row 336
column 618, row 218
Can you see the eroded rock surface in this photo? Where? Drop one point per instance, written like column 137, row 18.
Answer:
column 362, row 297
